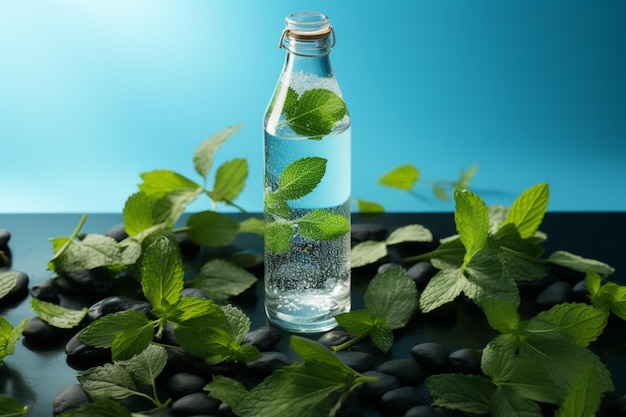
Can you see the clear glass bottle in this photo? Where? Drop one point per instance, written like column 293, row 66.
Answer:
column 307, row 184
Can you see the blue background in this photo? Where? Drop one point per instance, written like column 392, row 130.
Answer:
column 92, row 93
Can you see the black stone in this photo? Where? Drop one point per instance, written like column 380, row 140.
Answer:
column 359, row 361
column 181, row 384
column 115, row 304
column 38, row 331
column 386, row 266
column 117, row 232
column 180, row 361
column 195, row 404
column 334, row 338
column 188, row 248
column 268, row 363
column 422, row 411
column 421, row 273
column 579, row 291
column 408, row 371
column 82, row 356
column 400, row 400
column 263, row 338
column 93, row 283
column 224, row 410
column 5, row 236
column 361, row 232
column 5, row 251
column 433, row 356
column 375, row 390
column 70, row 397
column 556, row 293
column 466, row 360
column 46, row 290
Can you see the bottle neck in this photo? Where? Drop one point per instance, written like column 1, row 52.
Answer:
column 318, row 65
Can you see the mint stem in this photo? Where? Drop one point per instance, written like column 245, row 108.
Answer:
column 349, row 343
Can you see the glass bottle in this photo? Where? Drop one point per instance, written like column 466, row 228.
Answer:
column 307, row 184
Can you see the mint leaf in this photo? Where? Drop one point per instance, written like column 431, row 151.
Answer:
column 368, row 206
column 409, row 233
column 368, row 252
column 252, row 225
column 9, row 336
column 528, row 210
column 472, row 221
column 449, row 254
column 209, row 228
column 147, row 366
column 507, row 401
column 156, row 184
column 323, row 225
column 57, row 316
column 575, row 323
column 8, row 279
column 99, row 408
column 578, row 263
column 609, row 296
column 392, row 295
column 138, row 213
column 502, row 316
column 583, row 398
column 468, row 393
column 230, row 180
column 315, row 113
column 127, row 333
column 520, row 257
column 443, row 288
column 10, row 407
column 192, row 307
column 278, row 236
column 356, row 322
column 92, row 252
column 403, row 177
column 220, row 279
column 171, row 206
column 315, row 388
column 162, row 273
column 203, row 156
column 301, row 177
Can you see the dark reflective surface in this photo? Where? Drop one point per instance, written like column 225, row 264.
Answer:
column 36, row 375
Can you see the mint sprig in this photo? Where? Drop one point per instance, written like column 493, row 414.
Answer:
column 390, row 301
column 314, row 388
column 9, row 336
column 314, row 113
column 201, row 327
column 56, row 315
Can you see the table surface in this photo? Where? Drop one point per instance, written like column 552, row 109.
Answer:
column 35, row 376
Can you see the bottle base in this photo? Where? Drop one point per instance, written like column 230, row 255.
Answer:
column 310, row 324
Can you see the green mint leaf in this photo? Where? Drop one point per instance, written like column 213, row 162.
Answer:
column 468, row 393
column 528, row 210
column 238, row 327
column 364, row 206
column 382, row 336
column 9, row 336
column 315, row 388
column 209, row 228
column 498, row 358
column 127, row 333
column 156, row 184
column 146, row 366
column 276, row 206
column 230, row 180
column 10, row 407
column 356, row 322
column 403, row 177
column 487, row 279
column 368, row 252
column 252, row 225
column 138, row 213
column 449, row 254
column 611, row 296
column 497, row 214
column 392, row 295
column 162, row 273
column 131, row 251
column 8, row 279
column 578, row 263
column 192, row 307
column 583, row 398
column 92, row 252
column 443, row 288
column 472, row 222
column 593, row 282
column 315, row 112
column 220, row 279
column 575, row 323
column 100, row 408
column 171, row 206
column 409, row 233
column 507, row 401
column 228, row 390
column 502, row 316
column 110, row 381
column 465, row 178
column 301, row 177
column 323, row 225
column 57, row 316
column 278, row 236
column 203, row 156
column 520, row 257
column 440, row 192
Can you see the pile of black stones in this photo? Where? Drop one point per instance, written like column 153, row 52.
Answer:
column 400, row 390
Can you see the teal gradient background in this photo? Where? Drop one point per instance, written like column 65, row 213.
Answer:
column 92, row 93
